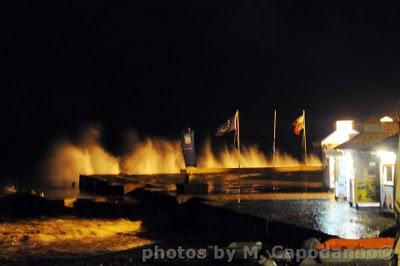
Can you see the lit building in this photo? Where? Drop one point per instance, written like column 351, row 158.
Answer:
column 343, row 132
column 386, row 153
column 358, row 171
column 353, row 168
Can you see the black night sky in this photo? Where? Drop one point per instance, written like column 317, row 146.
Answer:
column 160, row 66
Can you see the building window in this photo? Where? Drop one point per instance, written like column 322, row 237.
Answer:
column 389, row 173
column 372, row 169
column 187, row 139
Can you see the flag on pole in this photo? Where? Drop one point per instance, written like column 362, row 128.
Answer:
column 298, row 125
column 230, row 125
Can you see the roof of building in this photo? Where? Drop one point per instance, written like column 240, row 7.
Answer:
column 388, row 144
column 375, row 131
column 343, row 132
column 338, row 137
column 364, row 141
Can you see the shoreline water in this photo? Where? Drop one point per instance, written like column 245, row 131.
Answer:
column 216, row 217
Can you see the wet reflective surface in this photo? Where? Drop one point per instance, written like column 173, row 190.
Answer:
column 68, row 236
column 233, row 183
column 326, row 215
column 329, row 216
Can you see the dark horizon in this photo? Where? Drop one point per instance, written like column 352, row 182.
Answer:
column 160, row 66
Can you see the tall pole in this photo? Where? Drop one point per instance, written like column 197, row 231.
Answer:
column 238, row 143
column 397, row 173
column 274, row 140
column 304, row 136
column 238, row 135
column 396, row 192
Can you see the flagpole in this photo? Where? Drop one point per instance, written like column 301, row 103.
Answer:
column 238, row 135
column 304, row 136
column 238, row 143
column 274, row 140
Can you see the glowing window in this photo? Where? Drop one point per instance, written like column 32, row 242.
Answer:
column 188, row 139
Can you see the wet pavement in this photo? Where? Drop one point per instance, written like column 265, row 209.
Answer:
column 316, row 211
column 326, row 215
column 232, row 184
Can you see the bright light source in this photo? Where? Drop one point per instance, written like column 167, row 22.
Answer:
column 344, row 131
column 348, row 167
column 344, row 125
column 387, row 157
column 386, row 119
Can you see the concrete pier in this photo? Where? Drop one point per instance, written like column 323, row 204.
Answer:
column 254, row 170
column 270, row 179
column 106, row 184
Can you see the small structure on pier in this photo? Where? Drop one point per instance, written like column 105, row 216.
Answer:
column 331, row 158
column 386, row 154
column 354, row 166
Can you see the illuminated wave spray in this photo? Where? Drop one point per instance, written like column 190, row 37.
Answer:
column 50, row 237
column 66, row 160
